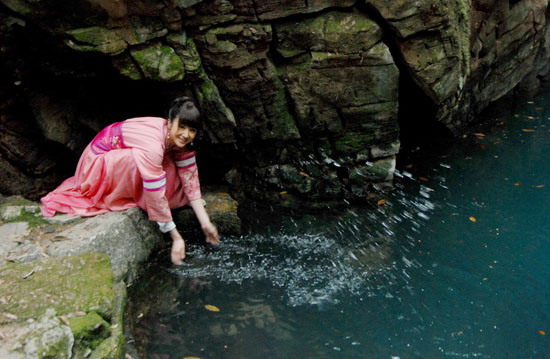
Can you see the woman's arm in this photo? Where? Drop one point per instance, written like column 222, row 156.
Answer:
column 210, row 231
column 178, row 247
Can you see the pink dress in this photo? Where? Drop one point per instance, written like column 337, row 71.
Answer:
column 126, row 165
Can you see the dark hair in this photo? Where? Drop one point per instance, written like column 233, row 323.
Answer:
column 184, row 108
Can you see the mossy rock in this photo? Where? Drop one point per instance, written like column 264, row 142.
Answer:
column 159, row 62
column 353, row 142
column 89, row 330
column 67, row 284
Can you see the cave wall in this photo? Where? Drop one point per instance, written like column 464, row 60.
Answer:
column 301, row 98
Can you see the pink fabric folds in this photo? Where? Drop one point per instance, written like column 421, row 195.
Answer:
column 126, row 166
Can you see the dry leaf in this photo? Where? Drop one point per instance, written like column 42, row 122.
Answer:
column 527, row 130
column 479, row 134
column 530, row 117
column 381, row 202
column 539, row 186
column 28, row 274
column 541, row 332
column 473, row 219
column 517, row 184
column 64, row 320
column 10, row 316
column 211, row 308
column 539, row 108
column 283, row 192
column 304, row 174
column 423, row 179
column 76, row 314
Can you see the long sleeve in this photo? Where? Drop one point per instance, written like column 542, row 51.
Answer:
column 146, row 137
column 188, row 172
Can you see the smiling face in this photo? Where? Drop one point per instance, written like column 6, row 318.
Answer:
column 180, row 134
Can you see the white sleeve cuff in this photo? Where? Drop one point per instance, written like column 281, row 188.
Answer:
column 166, row 226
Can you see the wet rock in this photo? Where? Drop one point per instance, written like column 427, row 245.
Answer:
column 222, row 210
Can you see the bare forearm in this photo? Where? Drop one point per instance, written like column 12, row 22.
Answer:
column 200, row 212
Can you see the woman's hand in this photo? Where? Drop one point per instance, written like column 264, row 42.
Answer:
column 178, row 247
column 211, row 234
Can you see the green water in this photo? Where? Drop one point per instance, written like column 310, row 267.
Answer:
column 454, row 265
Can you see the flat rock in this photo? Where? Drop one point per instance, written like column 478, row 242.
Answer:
column 62, row 219
column 10, row 212
column 128, row 238
column 11, row 236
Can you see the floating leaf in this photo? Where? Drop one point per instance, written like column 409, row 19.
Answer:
column 541, row 332
column 304, row 174
column 479, row 135
column 381, row 202
column 283, row 192
column 527, row 130
column 473, row 219
column 539, row 108
column 517, row 184
column 211, row 308
column 539, row 186
column 423, row 179
column 530, row 117
column 483, row 147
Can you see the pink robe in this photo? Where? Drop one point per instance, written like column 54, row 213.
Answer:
column 126, row 165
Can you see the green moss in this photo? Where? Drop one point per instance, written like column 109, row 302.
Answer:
column 67, row 284
column 159, row 62
column 32, row 219
column 352, row 142
column 97, row 39
column 89, row 330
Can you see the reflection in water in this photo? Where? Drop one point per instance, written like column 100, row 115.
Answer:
column 454, row 264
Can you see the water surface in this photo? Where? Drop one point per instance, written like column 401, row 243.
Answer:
column 453, row 265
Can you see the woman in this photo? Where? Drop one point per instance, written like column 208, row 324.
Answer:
column 141, row 162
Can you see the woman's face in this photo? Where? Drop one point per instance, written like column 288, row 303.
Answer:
column 181, row 135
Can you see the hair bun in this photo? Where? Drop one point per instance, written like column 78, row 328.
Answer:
column 180, row 101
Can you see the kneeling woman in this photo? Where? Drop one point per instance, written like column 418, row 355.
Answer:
column 141, row 162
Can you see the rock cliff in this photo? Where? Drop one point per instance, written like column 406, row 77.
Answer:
column 304, row 101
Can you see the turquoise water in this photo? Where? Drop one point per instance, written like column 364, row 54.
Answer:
column 455, row 264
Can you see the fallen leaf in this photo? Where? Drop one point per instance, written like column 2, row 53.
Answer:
column 485, row 279
column 479, row 135
column 191, row 358
column 539, row 186
column 283, row 192
column 541, row 332
column 381, row 202
column 76, row 314
column 64, row 320
column 539, row 108
column 530, row 117
column 60, row 238
column 128, row 356
column 473, row 219
column 517, row 184
column 304, row 174
column 527, row 130
column 211, row 308
column 10, row 316
column 483, row 147
column 28, row 274
column 423, row 179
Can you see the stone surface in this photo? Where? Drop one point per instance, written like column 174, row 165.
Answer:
column 127, row 237
column 65, row 307
column 222, row 210
column 281, row 83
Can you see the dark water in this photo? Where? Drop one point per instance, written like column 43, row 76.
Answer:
column 455, row 264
